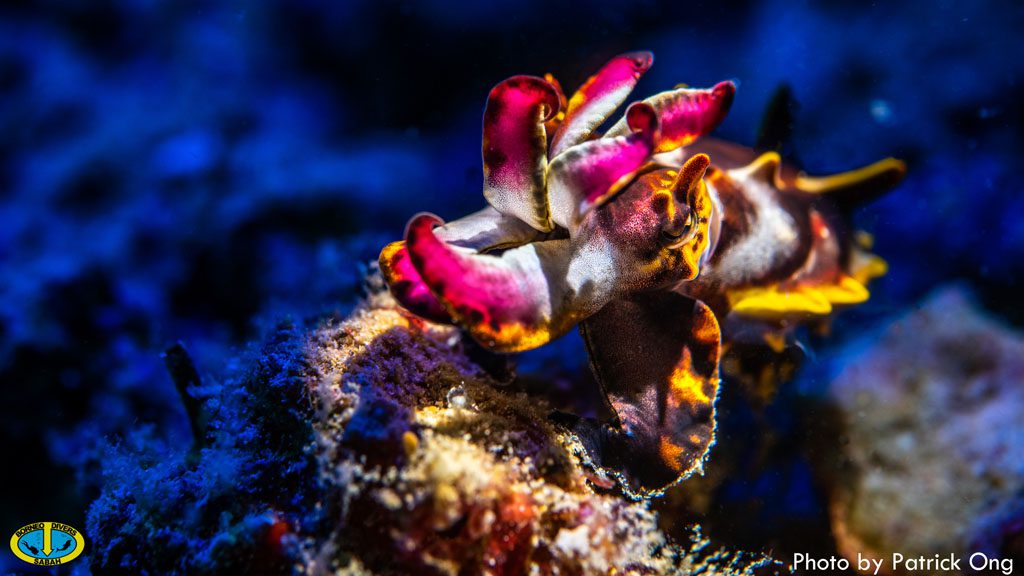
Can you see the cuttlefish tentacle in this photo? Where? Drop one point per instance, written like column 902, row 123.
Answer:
column 515, row 148
column 487, row 230
column 656, row 357
column 529, row 295
column 598, row 98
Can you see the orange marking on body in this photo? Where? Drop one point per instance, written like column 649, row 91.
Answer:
column 705, row 328
column 512, row 337
column 670, row 205
column 671, row 453
column 685, row 385
column 776, row 341
column 818, row 226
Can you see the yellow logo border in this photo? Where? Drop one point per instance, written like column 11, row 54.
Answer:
column 79, row 545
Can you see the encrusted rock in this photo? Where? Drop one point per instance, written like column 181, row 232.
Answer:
column 930, row 451
column 375, row 446
column 479, row 481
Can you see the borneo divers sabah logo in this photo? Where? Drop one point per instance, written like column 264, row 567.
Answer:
column 47, row 543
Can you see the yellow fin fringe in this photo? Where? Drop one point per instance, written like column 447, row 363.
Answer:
column 774, row 302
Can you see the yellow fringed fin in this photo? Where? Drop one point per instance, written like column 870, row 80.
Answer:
column 773, row 302
column 777, row 302
column 865, row 266
column 847, row 291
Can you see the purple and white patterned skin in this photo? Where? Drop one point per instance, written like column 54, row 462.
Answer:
column 644, row 237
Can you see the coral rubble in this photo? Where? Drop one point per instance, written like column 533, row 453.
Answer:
column 374, row 445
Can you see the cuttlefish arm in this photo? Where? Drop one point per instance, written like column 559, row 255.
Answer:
column 518, row 300
column 656, row 356
column 598, row 98
column 589, row 174
column 515, row 148
column 529, row 196
column 686, row 114
column 481, row 231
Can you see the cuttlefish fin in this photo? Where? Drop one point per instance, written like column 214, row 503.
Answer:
column 656, row 356
column 598, row 98
column 774, row 302
column 865, row 266
column 515, row 148
column 589, row 174
column 481, row 231
column 686, row 114
column 515, row 301
column 802, row 300
column 850, row 189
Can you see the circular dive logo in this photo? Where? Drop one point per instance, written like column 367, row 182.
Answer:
column 47, row 543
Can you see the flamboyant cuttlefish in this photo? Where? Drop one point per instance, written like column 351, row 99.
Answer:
column 653, row 243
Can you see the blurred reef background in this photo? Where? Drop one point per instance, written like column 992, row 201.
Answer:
column 224, row 175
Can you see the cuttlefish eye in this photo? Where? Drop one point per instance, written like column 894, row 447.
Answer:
column 676, row 217
column 678, row 228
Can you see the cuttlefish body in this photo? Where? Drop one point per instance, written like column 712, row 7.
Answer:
column 646, row 239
